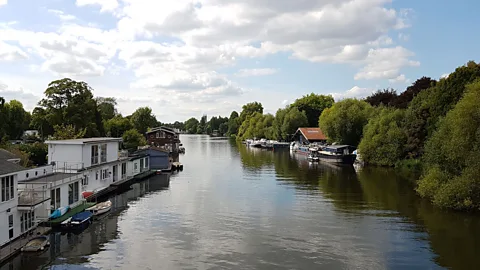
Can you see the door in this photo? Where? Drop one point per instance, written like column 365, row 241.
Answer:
column 115, row 173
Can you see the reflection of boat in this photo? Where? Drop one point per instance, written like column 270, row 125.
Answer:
column 36, row 244
column 59, row 212
column 340, row 154
column 100, row 208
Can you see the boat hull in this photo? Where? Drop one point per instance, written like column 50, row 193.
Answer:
column 35, row 244
column 338, row 159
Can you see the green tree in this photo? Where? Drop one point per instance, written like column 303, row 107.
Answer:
column 313, row 106
column 451, row 159
column 40, row 122
column 16, row 119
column 37, row 153
column 3, row 115
column 249, row 109
column 404, row 99
column 233, row 123
column 66, row 132
column 191, row 125
column 292, row 121
column 202, row 126
column 383, row 138
column 386, row 97
column 116, row 126
column 132, row 139
column 278, row 123
column 106, row 107
column 68, row 102
column 345, row 120
column 142, row 119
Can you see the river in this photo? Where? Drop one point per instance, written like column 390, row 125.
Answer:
column 239, row 208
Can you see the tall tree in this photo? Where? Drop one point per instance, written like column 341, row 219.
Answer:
column 3, row 115
column 17, row 119
column 404, row 99
column 313, row 106
column 132, row 139
column 386, row 97
column 233, row 123
column 142, row 119
column 40, row 122
column 345, row 120
column 249, row 109
column 294, row 119
column 106, row 107
column 116, row 126
column 66, row 132
column 191, row 125
column 68, row 102
column 278, row 123
column 202, row 126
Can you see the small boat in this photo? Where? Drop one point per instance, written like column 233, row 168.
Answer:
column 100, row 208
column 59, row 212
column 80, row 220
column 87, row 194
column 36, row 244
column 65, row 223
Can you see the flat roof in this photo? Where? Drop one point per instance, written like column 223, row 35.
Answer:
column 84, row 140
column 50, row 178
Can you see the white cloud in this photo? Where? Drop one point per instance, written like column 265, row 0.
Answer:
column 3, row 2
column 11, row 53
column 28, row 99
column 62, row 15
column 256, row 72
column 386, row 63
column 106, row 5
column 354, row 92
column 399, row 79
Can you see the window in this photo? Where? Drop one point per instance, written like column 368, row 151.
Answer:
column 27, row 221
column 146, row 162
column 158, row 135
column 94, row 154
column 54, row 199
column 85, row 180
column 10, row 226
column 135, row 166
column 141, row 164
column 103, row 154
column 8, row 188
column 96, row 175
column 124, row 170
column 73, row 193
column 103, row 174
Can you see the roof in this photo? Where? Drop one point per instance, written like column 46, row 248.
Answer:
column 85, row 140
column 162, row 128
column 50, row 178
column 313, row 134
column 7, row 167
column 4, row 154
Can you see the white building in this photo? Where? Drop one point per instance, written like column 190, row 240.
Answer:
column 98, row 160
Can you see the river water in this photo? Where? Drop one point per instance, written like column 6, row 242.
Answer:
column 239, row 208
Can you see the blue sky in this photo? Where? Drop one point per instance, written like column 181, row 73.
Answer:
column 186, row 58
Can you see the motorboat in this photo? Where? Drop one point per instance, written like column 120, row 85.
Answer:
column 339, row 154
column 38, row 243
column 100, row 208
column 80, row 220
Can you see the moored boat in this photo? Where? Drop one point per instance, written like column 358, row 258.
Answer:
column 36, row 244
column 59, row 212
column 100, row 208
column 339, row 154
column 80, row 220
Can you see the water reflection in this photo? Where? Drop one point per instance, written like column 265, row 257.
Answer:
column 76, row 248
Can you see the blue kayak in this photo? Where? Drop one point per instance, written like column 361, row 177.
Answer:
column 59, row 212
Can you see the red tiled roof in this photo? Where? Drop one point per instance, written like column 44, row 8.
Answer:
column 313, row 134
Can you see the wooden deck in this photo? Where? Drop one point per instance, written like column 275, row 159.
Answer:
column 13, row 248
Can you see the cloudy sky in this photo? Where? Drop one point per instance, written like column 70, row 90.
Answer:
column 186, row 58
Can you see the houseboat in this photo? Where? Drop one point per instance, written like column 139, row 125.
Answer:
column 338, row 154
column 304, row 137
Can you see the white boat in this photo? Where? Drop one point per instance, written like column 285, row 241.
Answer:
column 100, row 208
column 36, row 244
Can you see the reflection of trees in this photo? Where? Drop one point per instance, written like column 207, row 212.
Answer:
column 454, row 237
column 254, row 158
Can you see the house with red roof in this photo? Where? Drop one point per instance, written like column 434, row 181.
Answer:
column 307, row 135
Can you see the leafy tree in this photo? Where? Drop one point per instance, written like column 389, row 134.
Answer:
column 116, row 126
column 345, row 120
column 106, row 107
column 191, row 125
column 404, row 99
column 142, row 119
column 37, row 153
column 68, row 102
column 383, row 138
column 132, row 139
column 66, row 132
column 223, row 128
column 386, row 97
column 40, row 122
column 452, row 154
column 292, row 121
column 202, row 126
column 313, row 106
column 233, row 123
column 15, row 120
column 278, row 123
column 249, row 109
